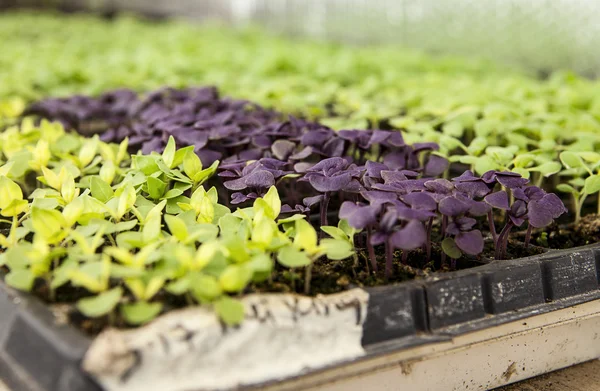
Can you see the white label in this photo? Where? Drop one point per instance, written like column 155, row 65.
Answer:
column 282, row 335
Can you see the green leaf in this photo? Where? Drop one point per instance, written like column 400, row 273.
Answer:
column 453, row 129
column 180, row 155
column 571, row 159
column 21, row 279
column 500, row 155
column 205, row 174
column 263, row 232
column 101, row 304
column 15, row 208
column 337, row 249
column 590, row 157
column 146, row 164
column 272, row 199
column 46, row 223
column 140, row 312
column 168, row 154
column 524, row 172
column 229, row 223
column 592, row 184
column 335, row 232
column 9, row 191
column 205, row 288
column 173, row 193
column 156, row 187
column 235, row 278
column 450, row 248
column 564, row 188
column 180, row 286
column 450, row 143
column 547, row 169
column 261, row 263
column 191, row 164
column 484, row 164
column 347, row 229
column 45, row 203
column 477, row 146
column 524, row 160
column 230, row 311
column 292, row 257
column 177, row 227
column 306, row 236
column 101, row 190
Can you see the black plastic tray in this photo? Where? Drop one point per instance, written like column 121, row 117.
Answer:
column 37, row 352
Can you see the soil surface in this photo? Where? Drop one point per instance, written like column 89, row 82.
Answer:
column 570, row 235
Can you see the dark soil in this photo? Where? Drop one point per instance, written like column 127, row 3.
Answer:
column 567, row 235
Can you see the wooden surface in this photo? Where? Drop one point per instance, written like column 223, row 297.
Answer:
column 582, row 377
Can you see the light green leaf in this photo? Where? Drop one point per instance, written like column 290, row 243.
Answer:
column 180, row 155
column 263, row 232
column 272, row 199
column 230, row 311
column 235, row 278
column 450, row 248
column 191, row 164
column 9, row 191
column 156, row 187
column 306, row 236
column 173, row 193
column 335, row 232
column 168, row 154
column 146, row 164
column 484, row 164
column 205, row 288
column 547, row 169
column 21, row 279
column 571, row 159
column 592, row 184
column 337, row 249
column 205, row 174
column 564, row 188
column 177, row 227
column 101, row 190
column 140, row 312
column 46, row 223
column 292, row 257
column 101, row 304
column 180, row 286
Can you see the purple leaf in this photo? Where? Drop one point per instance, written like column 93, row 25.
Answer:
column 511, row 180
column 327, row 184
column 411, row 236
column 466, row 176
column 282, row 149
column 260, row 179
column 359, row 216
column 473, row 188
column 420, row 200
column 374, row 169
column 375, row 196
column 470, row 242
column 436, row 165
column 440, row 186
column 310, row 201
column 498, row 200
column 451, row 206
column 543, row 212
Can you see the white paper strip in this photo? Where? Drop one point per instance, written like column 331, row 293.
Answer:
column 283, row 335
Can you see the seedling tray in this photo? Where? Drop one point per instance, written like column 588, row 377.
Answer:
column 40, row 351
